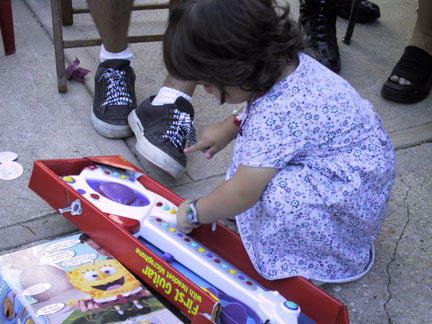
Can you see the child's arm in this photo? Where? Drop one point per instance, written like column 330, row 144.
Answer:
column 231, row 198
column 215, row 138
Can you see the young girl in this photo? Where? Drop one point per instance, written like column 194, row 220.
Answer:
column 312, row 167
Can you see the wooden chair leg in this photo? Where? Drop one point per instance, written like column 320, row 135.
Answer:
column 7, row 27
column 66, row 12
column 355, row 5
column 58, row 46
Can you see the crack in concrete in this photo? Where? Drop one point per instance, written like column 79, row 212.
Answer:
column 42, row 218
column 27, row 227
column 393, row 258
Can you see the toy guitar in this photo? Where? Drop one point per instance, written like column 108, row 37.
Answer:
column 118, row 192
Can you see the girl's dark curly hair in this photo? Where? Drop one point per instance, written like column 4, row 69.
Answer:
column 244, row 43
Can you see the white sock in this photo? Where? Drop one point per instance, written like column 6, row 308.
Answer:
column 123, row 55
column 168, row 95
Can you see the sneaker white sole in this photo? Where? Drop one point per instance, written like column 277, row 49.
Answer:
column 152, row 153
column 108, row 130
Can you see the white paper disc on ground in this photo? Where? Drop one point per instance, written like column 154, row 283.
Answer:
column 10, row 170
column 7, row 156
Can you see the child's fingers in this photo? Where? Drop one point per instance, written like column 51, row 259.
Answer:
column 185, row 229
column 200, row 146
column 192, row 148
column 211, row 152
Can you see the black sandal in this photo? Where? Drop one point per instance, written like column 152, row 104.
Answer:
column 415, row 65
column 368, row 12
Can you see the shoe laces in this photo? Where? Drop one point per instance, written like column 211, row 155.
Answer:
column 180, row 128
column 319, row 27
column 117, row 93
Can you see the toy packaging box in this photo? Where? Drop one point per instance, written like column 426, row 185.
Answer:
column 73, row 280
column 205, row 275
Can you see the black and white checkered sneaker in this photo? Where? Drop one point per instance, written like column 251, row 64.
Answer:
column 114, row 98
column 162, row 133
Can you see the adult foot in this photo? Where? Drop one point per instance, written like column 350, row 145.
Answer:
column 400, row 80
column 114, row 98
column 162, row 132
column 368, row 12
column 411, row 79
column 318, row 21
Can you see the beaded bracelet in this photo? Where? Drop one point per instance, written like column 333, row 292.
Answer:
column 237, row 117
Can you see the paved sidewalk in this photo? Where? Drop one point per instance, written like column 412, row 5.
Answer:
column 37, row 122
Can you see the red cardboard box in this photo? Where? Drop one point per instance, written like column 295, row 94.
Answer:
column 106, row 229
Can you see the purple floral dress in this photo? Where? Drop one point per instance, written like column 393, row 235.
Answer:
column 321, row 212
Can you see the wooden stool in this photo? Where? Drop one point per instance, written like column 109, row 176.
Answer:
column 7, row 27
column 62, row 15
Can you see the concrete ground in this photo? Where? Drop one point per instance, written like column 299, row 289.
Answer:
column 37, row 122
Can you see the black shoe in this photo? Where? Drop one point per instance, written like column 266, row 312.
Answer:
column 114, row 98
column 318, row 22
column 161, row 133
column 368, row 12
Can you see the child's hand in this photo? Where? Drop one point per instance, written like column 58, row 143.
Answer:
column 182, row 223
column 214, row 139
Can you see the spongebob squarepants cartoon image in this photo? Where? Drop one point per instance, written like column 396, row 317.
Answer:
column 106, row 283
column 73, row 281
